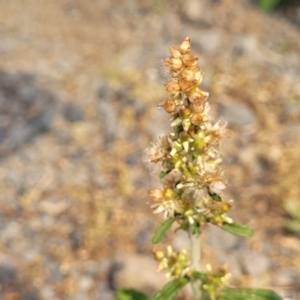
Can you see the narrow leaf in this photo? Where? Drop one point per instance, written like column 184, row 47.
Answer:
column 248, row 294
column 196, row 228
column 215, row 197
column 238, row 229
column 268, row 5
column 162, row 229
column 200, row 275
column 131, row 294
column 171, row 289
column 162, row 174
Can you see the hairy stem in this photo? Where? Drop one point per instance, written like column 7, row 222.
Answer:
column 195, row 261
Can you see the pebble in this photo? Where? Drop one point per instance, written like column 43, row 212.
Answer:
column 253, row 263
column 286, row 278
column 28, row 111
column 136, row 271
column 236, row 114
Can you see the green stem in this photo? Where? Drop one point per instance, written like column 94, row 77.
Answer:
column 195, row 261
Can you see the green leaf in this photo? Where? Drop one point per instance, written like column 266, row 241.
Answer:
column 215, row 197
column 162, row 174
column 184, row 225
column 131, row 294
column 196, row 228
column 162, row 229
column 248, row 294
column 200, row 275
column 268, row 5
column 170, row 290
column 238, row 229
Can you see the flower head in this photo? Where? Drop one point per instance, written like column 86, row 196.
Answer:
column 177, row 263
column 189, row 158
column 158, row 150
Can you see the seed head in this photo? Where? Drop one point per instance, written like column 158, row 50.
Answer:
column 175, row 53
column 185, row 46
column 189, row 60
column 186, row 85
column 169, row 106
column 174, row 64
column 189, row 157
column 173, row 88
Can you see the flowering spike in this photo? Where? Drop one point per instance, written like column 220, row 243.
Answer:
column 192, row 148
column 192, row 179
column 189, row 157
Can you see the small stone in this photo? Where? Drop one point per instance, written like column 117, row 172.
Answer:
column 253, row 263
column 193, row 9
column 181, row 240
column 8, row 272
column 85, row 283
column 73, row 113
column 237, row 114
column 286, row 278
column 136, row 271
column 222, row 240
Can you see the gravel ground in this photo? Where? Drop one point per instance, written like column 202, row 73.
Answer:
column 79, row 86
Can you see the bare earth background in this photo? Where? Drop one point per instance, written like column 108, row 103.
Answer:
column 79, row 85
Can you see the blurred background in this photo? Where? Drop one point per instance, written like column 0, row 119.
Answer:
column 79, row 86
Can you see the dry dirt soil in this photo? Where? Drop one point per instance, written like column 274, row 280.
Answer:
column 80, row 82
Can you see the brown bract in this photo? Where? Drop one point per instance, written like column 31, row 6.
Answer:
column 173, row 88
column 189, row 60
column 169, row 106
column 185, row 47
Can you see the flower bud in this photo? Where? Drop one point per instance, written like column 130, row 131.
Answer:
column 198, row 77
column 199, row 143
column 173, row 63
column 159, row 255
column 170, row 251
column 197, row 108
column 186, row 124
column 178, row 163
column 178, row 270
column 162, row 265
column 168, row 193
column 189, row 73
column 226, row 207
column 205, row 118
column 182, row 256
column 185, row 112
column 185, row 85
column 176, row 147
column 169, row 106
column 198, row 97
column 196, row 119
column 175, row 74
column 186, row 146
column 185, row 46
column 218, row 220
column 189, row 60
column 173, row 88
column 175, row 52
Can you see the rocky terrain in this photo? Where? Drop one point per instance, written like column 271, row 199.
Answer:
column 79, row 86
